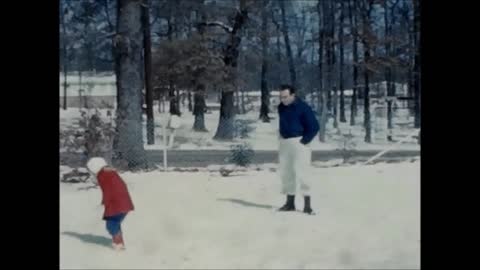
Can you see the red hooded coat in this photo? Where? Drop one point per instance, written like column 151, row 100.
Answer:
column 115, row 196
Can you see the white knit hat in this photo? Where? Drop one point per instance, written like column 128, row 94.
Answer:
column 95, row 164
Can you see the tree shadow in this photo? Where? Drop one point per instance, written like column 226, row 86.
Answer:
column 247, row 204
column 91, row 239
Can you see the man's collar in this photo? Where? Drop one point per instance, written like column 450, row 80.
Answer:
column 296, row 101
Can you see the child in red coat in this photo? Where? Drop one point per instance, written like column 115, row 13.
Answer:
column 115, row 198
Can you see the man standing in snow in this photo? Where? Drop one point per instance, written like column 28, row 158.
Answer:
column 298, row 127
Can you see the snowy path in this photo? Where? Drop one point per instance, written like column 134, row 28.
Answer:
column 367, row 217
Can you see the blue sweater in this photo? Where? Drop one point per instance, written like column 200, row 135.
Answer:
column 298, row 119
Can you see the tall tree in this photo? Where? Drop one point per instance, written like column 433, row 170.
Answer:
column 407, row 23
column 366, row 7
column 63, row 10
column 389, row 49
column 264, row 108
column 199, row 109
column 325, row 81
column 416, row 62
column 352, row 14
column 341, row 67
column 116, row 64
column 299, row 31
column 147, row 45
column 225, row 129
column 315, row 86
column 199, row 104
column 291, row 64
column 278, row 49
column 172, row 96
column 128, row 43
column 333, row 63
column 87, row 18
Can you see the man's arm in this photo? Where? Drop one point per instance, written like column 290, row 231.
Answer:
column 278, row 131
column 310, row 125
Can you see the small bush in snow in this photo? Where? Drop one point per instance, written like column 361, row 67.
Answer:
column 241, row 154
column 99, row 136
column 243, row 128
column 94, row 137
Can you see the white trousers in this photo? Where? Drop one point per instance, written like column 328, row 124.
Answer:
column 295, row 164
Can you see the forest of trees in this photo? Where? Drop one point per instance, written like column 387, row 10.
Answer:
column 229, row 46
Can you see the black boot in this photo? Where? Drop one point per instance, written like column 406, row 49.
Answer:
column 307, row 208
column 289, row 205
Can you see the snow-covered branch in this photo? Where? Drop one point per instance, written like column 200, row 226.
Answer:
column 109, row 35
column 220, row 24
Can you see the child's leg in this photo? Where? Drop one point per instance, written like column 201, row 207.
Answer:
column 113, row 225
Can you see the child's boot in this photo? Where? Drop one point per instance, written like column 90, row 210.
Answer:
column 118, row 242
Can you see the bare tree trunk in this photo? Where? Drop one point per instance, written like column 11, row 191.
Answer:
column 388, row 69
column 65, row 86
column 199, row 109
column 334, row 64
column 301, row 29
column 341, row 80
column 324, row 12
column 329, row 99
column 278, row 47
column 190, row 106
column 265, row 105
column 366, row 111
column 184, row 97
column 291, row 64
column 237, row 102
column 174, row 105
column 148, row 72
column 320, row 91
column 173, row 99
column 279, row 50
column 162, row 104
column 199, row 104
column 129, row 146
column 416, row 63
column 410, row 87
column 312, row 88
column 65, row 54
column 389, row 22
column 244, row 110
column 225, row 129
column 116, row 67
column 177, row 100
column 353, row 26
column 81, row 102
column 411, row 57
column 366, row 28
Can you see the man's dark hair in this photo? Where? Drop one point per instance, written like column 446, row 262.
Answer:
column 287, row 87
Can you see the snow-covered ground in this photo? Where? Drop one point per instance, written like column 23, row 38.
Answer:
column 263, row 137
column 368, row 217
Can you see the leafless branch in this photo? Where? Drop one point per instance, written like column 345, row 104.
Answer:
column 225, row 27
